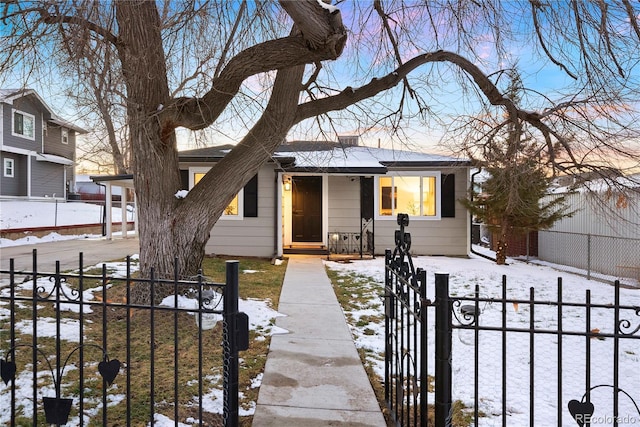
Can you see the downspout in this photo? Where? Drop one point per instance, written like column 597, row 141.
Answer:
column 473, row 177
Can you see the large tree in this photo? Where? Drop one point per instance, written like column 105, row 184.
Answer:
column 511, row 199
column 268, row 67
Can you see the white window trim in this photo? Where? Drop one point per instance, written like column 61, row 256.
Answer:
column 240, row 215
column 6, row 166
column 421, row 174
column 63, row 132
column 13, row 123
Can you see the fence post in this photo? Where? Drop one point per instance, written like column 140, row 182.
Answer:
column 231, row 345
column 388, row 307
column 589, row 256
column 443, row 351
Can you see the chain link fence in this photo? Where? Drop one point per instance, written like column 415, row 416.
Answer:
column 602, row 257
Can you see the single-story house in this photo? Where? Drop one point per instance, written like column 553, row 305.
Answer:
column 37, row 148
column 340, row 197
column 316, row 197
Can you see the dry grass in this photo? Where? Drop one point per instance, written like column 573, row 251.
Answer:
column 154, row 350
column 353, row 294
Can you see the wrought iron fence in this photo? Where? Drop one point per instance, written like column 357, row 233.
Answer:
column 75, row 350
column 521, row 349
column 351, row 243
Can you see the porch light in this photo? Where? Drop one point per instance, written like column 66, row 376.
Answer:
column 287, row 183
column 335, row 237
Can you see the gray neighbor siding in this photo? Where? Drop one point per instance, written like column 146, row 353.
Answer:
column 25, row 105
column 47, row 179
column 249, row 236
column 16, row 185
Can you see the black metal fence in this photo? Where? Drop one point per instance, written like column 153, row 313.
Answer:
column 534, row 360
column 75, row 350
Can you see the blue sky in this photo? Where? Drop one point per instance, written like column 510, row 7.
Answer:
column 447, row 99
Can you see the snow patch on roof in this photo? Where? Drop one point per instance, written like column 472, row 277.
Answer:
column 351, row 157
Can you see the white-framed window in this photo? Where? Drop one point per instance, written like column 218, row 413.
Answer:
column 23, row 125
column 416, row 194
column 65, row 135
column 235, row 209
column 8, row 168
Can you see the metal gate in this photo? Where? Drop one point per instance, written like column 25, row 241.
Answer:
column 419, row 352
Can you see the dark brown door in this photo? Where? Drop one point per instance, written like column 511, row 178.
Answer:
column 307, row 209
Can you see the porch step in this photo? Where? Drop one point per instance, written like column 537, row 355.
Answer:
column 306, row 251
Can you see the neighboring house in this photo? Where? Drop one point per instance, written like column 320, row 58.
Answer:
column 316, row 196
column 37, row 147
column 603, row 235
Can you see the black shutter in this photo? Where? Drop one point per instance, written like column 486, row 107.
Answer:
column 366, row 197
column 251, row 198
column 184, row 179
column 448, row 198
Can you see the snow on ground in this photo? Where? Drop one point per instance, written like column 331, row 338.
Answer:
column 261, row 320
column 29, row 214
column 464, row 274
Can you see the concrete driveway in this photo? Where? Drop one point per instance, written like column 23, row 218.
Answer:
column 94, row 251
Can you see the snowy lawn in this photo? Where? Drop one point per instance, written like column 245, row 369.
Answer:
column 366, row 317
column 261, row 325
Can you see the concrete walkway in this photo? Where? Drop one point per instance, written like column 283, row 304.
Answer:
column 313, row 375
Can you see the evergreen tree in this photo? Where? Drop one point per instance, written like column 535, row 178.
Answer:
column 511, row 199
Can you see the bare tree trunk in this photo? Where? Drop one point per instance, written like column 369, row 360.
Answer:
column 501, row 248
column 155, row 162
column 169, row 225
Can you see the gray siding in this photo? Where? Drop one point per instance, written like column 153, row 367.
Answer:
column 47, row 179
column 447, row 236
column 53, row 142
column 249, row 236
column 603, row 236
column 16, row 186
column 257, row 236
column 344, row 204
column 27, row 106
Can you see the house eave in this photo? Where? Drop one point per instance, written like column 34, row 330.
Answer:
column 368, row 170
column 125, row 180
column 426, row 164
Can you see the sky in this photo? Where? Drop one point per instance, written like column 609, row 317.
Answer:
column 368, row 330
column 420, row 134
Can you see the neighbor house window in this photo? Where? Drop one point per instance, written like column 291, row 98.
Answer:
column 416, row 195
column 9, row 168
column 23, row 124
column 233, row 209
column 65, row 136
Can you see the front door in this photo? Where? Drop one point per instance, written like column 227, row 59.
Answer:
column 306, row 209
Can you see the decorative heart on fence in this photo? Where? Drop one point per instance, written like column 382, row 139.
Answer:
column 7, row 371
column 109, row 369
column 581, row 412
